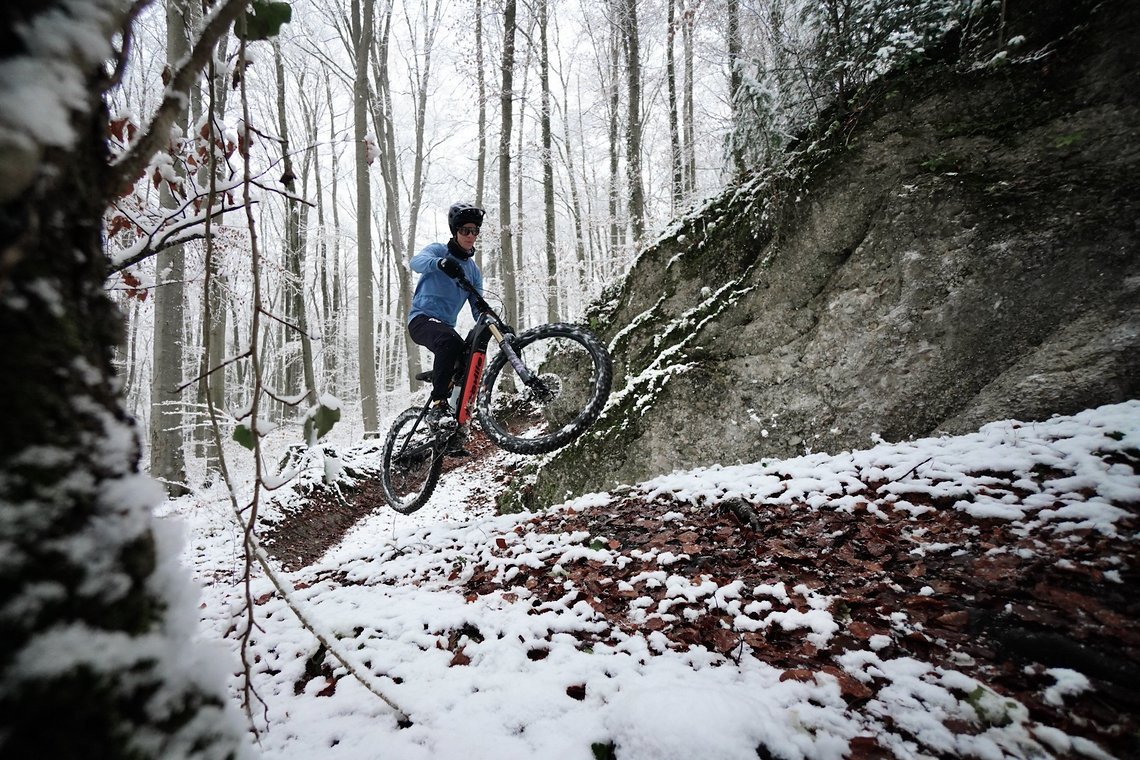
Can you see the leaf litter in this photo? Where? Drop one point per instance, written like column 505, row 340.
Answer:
column 969, row 596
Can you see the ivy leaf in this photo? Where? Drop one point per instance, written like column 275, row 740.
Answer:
column 264, row 20
column 320, row 420
column 244, row 436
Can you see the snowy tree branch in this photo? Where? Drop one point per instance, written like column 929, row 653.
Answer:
column 133, row 161
column 175, row 235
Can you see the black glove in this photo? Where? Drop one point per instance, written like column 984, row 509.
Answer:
column 451, row 268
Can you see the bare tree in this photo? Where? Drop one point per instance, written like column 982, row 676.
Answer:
column 617, row 229
column 688, row 23
column 296, row 323
column 481, row 125
column 167, row 460
column 506, row 96
column 677, row 177
column 212, row 375
column 576, row 212
column 735, row 83
column 552, row 309
column 632, row 40
column 384, row 118
column 362, row 23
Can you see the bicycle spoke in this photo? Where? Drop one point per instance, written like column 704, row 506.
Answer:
column 412, row 462
column 570, row 383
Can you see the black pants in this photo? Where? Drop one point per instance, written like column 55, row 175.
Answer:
column 444, row 342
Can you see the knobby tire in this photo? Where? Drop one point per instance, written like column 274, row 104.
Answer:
column 527, row 425
column 410, row 467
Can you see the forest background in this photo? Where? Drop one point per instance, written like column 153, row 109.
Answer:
column 581, row 127
column 250, row 202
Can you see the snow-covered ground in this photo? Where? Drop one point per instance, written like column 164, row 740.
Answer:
column 491, row 633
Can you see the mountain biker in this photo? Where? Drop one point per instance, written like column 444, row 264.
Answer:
column 438, row 300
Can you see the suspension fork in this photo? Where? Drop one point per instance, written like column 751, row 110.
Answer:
column 512, row 356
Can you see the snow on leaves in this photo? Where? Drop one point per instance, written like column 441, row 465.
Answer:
column 966, row 596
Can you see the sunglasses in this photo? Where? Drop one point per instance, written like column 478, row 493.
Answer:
column 469, row 231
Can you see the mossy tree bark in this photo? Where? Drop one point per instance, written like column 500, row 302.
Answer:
column 95, row 654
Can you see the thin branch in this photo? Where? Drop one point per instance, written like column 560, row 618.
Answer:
column 909, row 472
column 286, row 323
column 329, row 640
column 133, row 162
column 223, row 365
column 116, row 77
column 290, row 402
column 169, row 239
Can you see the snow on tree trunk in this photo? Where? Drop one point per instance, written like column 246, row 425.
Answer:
column 96, row 618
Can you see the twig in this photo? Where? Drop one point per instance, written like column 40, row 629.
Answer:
column 330, row 642
column 203, row 376
column 909, row 472
column 286, row 323
column 134, row 160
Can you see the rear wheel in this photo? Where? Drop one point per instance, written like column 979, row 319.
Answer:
column 572, row 372
column 412, row 461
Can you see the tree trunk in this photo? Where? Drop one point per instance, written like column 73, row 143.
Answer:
column 633, row 123
column 298, row 369
column 617, row 229
column 384, row 119
column 735, row 82
column 575, row 200
column 212, row 385
column 334, row 328
column 522, row 294
column 552, row 307
column 362, row 16
column 481, row 93
column 167, row 459
column 677, row 177
column 690, row 161
column 96, row 659
column 506, row 249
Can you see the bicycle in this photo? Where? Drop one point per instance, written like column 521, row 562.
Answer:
column 558, row 383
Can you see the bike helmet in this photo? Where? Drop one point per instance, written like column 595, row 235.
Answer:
column 461, row 213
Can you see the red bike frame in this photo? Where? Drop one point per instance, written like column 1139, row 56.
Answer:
column 475, row 359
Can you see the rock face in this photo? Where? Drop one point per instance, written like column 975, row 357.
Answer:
column 963, row 250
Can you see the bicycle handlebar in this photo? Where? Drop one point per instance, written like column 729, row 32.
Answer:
column 484, row 307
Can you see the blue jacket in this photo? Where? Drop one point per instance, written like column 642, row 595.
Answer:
column 437, row 295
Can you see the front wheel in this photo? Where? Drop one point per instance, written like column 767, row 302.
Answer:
column 412, row 461
column 571, row 380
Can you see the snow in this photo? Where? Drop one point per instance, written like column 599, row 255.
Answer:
column 41, row 87
column 500, row 675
